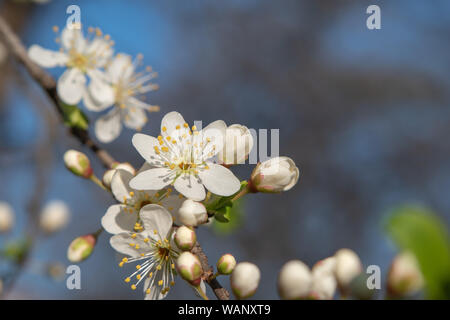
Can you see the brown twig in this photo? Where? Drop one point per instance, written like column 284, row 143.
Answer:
column 48, row 84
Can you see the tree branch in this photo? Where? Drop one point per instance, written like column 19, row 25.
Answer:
column 48, row 84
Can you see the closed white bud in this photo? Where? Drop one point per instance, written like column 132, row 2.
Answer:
column 274, row 175
column 6, row 217
column 189, row 267
column 192, row 213
column 238, row 144
column 78, row 163
column 185, row 238
column 294, row 281
column 54, row 216
column 348, row 266
column 324, row 282
column 226, row 263
column 245, row 280
column 108, row 175
column 404, row 277
column 81, row 248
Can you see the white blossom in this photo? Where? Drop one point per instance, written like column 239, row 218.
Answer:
column 81, row 56
column 182, row 158
column 245, row 280
column 125, row 216
column 237, row 146
column 153, row 250
column 54, row 216
column 128, row 86
column 6, row 217
column 275, row 175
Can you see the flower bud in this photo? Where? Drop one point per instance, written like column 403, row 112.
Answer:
column 324, row 282
column 348, row 266
column 245, row 280
column 185, row 238
column 294, row 280
column 274, row 175
column 192, row 213
column 226, row 263
column 81, row 248
column 6, row 217
column 78, row 163
column 54, row 216
column 189, row 268
column 404, row 277
column 237, row 146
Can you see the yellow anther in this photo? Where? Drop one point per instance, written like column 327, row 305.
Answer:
column 142, row 254
column 160, row 137
column 127, row 280
column 131, row 244
column 146, row 240
column 121, row 264
column 138, row 266
column 155, row 231
column 131, row 194
column 158, row 267
column 172, row 283
column 172, row 166
column 164, row 129
column 177, row 127
column 133, row 287
column 55, row 29
column 208, row 139
column 165, row 149
column 194, row 128
column 172, row 266
column 138, row 277
column 150, row 274
column 134, row 235
column 160, row 283
column 137, row 246
column 168, row 138
column 186, row 125
column 147, row 291
column 125, row 260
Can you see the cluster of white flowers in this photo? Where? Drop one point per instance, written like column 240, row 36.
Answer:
column 297, row 281
column 114, row 81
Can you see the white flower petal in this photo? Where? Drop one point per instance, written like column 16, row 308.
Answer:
column 91, row 104
column 155, row 289
column 122, row 243
column 116, row 220
column 108, row 127
column 153, row 179
column 120, row 185
column 170, row 121
column 101, row 49
column 120, row 68
column 219, row 180
column 73, row 39
column 101, row 92
column 190, row 187
column 155, row 217
column 135, row 118
column 47, row 58
column 172, row 203
column 215, row 132
column 145, row 145
column 71, row 86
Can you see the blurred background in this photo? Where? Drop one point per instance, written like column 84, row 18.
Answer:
column 365, row 113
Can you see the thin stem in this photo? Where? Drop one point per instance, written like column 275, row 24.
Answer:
column 201, row 293
column 215, row 275
column 241, row 193
column 97, row 181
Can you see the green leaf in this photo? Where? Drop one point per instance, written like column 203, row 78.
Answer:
column 74, row 117
column 223, row 214
column 235, row 216
column 15, row 251
column 420, row 231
